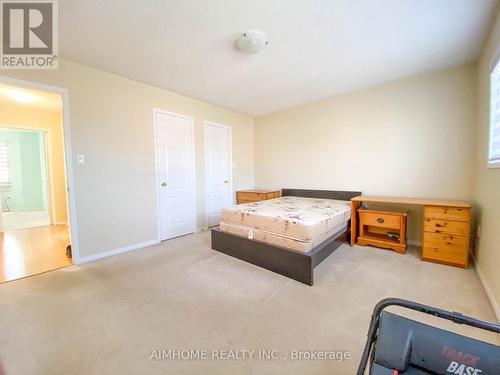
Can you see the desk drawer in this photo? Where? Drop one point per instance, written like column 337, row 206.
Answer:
column 446, row 227
column 380, row 219
column 446, row 213
column 445, row 248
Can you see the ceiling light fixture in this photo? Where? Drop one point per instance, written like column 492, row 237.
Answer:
column 252, row 41
column 21, row 97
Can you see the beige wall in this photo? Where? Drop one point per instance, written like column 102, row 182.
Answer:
column 487, row 181
column 20, row 116
column 112, row 124
column 412, row 137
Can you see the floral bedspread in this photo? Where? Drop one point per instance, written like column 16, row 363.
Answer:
column 294, row 217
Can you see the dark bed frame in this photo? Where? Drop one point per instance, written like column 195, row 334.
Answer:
column 293, row 264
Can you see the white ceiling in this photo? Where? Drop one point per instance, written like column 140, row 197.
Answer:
column 318, row 47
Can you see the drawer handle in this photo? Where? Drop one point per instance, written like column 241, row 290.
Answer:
column 380, row 220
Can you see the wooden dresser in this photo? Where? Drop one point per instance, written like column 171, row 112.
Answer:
column 446, row 227
column 248, row 196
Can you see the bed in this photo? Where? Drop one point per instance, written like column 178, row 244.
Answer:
column 290, row 235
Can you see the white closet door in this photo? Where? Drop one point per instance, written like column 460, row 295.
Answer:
column 218, row 170
column 175, row 154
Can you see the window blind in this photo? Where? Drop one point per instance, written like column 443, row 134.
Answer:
column 494, row 144
column 5, row 180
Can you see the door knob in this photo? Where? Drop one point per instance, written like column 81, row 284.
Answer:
column 163, row 184
column 226, row 180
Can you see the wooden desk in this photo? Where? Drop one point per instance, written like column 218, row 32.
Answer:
column 446, row 227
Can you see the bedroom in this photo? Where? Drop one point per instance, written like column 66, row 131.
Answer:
column 324, row 106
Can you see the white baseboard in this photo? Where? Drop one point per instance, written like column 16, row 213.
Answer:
column 110, row 253
column 91, row 258
column 489, row 292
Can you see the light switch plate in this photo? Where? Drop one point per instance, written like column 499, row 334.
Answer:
column 80, row 159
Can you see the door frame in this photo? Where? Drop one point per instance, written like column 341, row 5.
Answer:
column 207, row 123
column 157, row 111
column 68, row 154
column 47, row 173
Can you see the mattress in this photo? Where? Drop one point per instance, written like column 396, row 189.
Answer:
column 276, row 239
column 304, row 220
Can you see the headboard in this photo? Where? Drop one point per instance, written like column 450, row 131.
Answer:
column 326, row 194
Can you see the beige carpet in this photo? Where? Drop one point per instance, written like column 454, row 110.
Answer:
column 108, row 316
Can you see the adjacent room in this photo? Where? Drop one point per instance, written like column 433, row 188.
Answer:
column 35, row 231
column 265, row 187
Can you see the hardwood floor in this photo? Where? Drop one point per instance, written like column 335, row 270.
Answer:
column 27, row 252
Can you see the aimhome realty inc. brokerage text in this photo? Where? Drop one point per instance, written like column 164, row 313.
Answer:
column 246, row 354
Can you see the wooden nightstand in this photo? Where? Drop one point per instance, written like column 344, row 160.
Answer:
column 249, row 196
column 383, row 228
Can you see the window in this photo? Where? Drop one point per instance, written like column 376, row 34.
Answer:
column 4, row 167
column 494, row 144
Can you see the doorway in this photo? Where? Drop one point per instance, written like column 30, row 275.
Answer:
column 24, row 176
column 174, row 139
column 35, row 210
column 218, row 167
